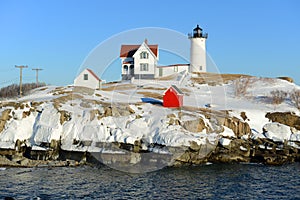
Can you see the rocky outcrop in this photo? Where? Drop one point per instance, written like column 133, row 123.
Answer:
column 239, row 127
column 3, row 119
column 259, row 150
column 23, row 156
column 237, row 150
column 286, row 118
column 20, row 161
column 117, row 111
column 64, row 116
column 63, row 99
column 289, row 79
column 195, row 126
column 195, row 154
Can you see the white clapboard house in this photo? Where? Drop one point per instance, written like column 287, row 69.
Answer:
column 87, row 78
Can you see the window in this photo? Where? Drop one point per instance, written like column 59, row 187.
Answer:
column 144, row 67
column 125, row 69
column 175, row 68
column 200, row 68
column 85, row 77
column 144, row 55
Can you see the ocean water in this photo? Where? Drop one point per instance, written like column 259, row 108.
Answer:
column 216, row 181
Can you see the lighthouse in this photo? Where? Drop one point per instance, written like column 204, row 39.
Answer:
column 198, row 50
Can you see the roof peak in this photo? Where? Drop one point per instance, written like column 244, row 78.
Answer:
column 130, row 49
column 93, row 74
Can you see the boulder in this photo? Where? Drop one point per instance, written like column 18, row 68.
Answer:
column 64, row 116
column 244, row 116
column 172, row 115
column 171, row 121
column 237, row 126
column 195, row 126
column 137, row 147
column 107, row 111
column 177, row 122
column 287, row 118
column 6, row 115
column 194, row 146
column 277, row 132
column 25, row 114
column 115, row 112
column 4, row 118
column 224, row 141
column 94, row 113
column 125, row 110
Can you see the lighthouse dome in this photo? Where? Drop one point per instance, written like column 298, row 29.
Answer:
column 197, row 32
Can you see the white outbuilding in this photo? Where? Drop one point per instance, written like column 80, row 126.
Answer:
column 87, row 78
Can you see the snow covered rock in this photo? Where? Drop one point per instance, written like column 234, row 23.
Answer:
column 277, row 132
column 227, row 132
column 194, row 125
column 224, row 141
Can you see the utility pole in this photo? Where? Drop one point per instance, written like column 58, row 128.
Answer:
column 21, row 69
column 37, row 75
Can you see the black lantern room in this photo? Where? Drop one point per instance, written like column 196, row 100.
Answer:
column 197, row 33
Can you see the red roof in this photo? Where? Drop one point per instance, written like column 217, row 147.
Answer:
column 129, row 50
column 89, row 70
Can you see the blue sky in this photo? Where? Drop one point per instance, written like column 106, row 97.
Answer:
column 251, row 37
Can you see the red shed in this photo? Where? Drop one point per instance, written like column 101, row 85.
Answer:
column 173, row 97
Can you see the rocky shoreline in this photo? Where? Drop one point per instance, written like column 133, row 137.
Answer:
column 60, row 126
column 258, row 150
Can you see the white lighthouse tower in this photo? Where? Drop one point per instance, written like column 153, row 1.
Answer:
column 198, row 50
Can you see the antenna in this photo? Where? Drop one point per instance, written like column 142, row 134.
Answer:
column 21, row 69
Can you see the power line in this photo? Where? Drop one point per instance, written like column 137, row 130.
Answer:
column 21, row 69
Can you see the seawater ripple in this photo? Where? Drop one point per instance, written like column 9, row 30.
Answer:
column 217, row 181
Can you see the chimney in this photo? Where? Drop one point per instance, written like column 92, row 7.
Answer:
column 146, row 41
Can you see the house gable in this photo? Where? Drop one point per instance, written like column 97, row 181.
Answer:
column 145, row 47
column 93, row 74
column 87, row 78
